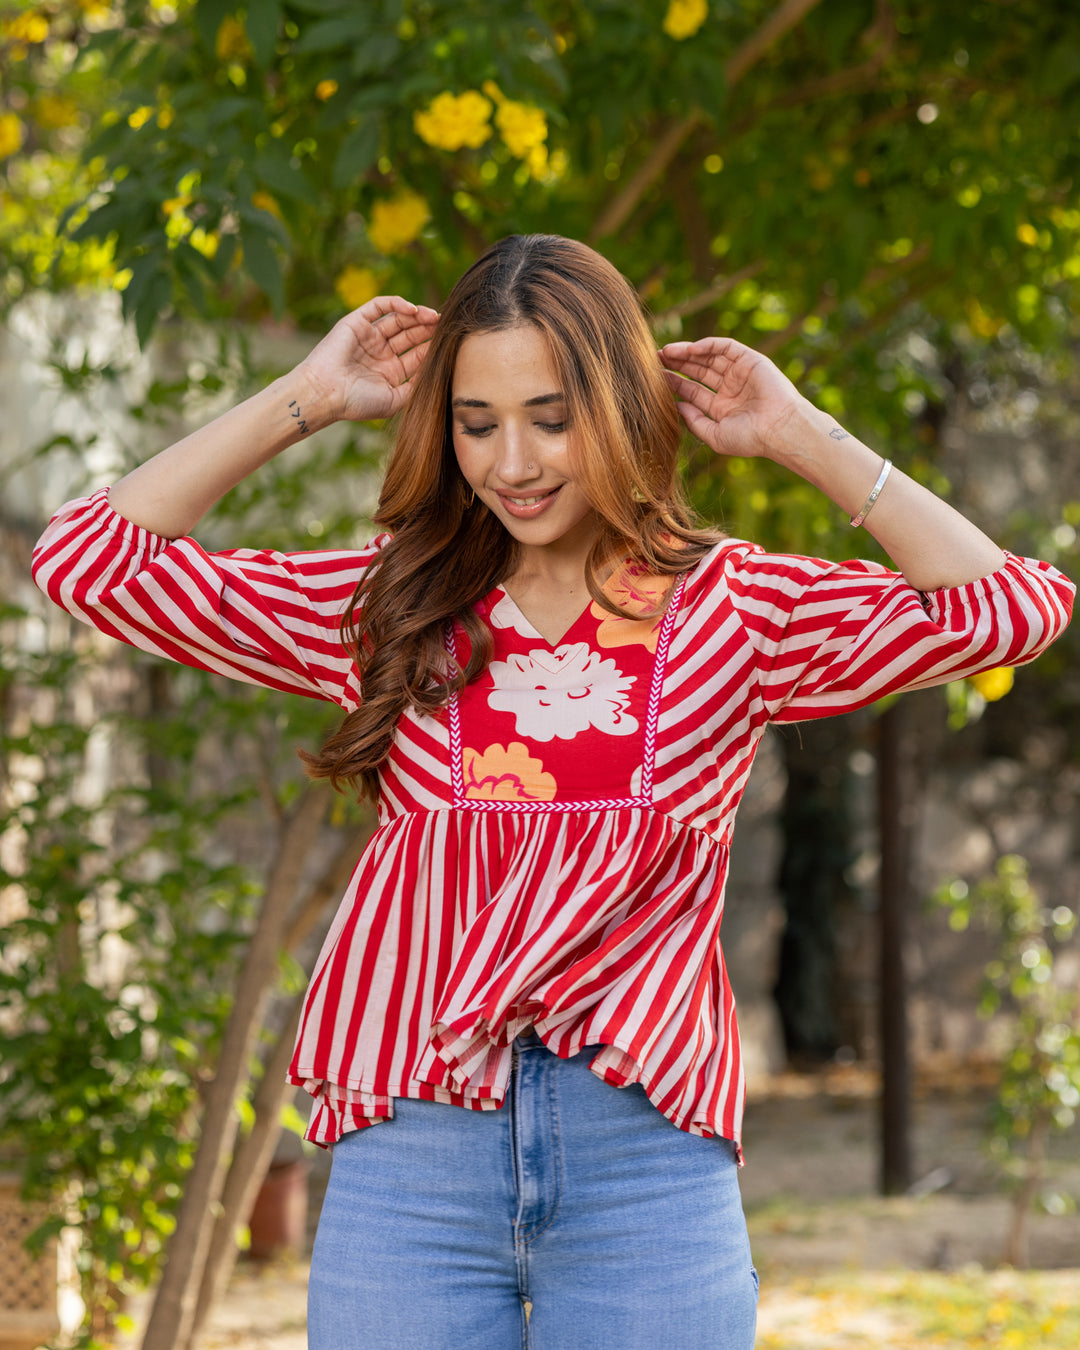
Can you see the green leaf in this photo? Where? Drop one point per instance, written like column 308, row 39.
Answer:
column 149, row 309
column 263, row 26
column 357, row 153
column 143, row 271
column 377, row 53
column 208, row 18
column 275, row 171
column 261, row 262
column 101, row 223
column 328, row 34
column 189, row 272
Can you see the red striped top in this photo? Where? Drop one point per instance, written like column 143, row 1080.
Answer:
column 553, row 846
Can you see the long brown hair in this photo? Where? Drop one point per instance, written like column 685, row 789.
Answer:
column 447, row 552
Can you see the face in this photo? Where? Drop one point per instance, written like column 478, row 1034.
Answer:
column 511, row 438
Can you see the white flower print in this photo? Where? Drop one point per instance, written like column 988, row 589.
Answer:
column 505, row 614
column 562, row 692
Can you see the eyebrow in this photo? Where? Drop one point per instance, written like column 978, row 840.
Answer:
column 541, row 401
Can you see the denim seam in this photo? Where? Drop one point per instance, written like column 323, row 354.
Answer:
column 556, row 1153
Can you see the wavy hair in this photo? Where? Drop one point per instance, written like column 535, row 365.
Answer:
column 446, row 552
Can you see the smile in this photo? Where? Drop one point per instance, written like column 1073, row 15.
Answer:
column 524, row 508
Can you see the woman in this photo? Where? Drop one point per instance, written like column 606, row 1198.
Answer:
column 554, row 686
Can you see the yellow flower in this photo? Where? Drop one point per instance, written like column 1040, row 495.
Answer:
column 97, row 11
column 396, row 222
column 231, row 43
column 173, row 204
column 165, row 117
column 204, row 241
column 522, row 127
column 326, row 89
column 140, row 117
column 26, row 27
column 537, row 161
column 265, row 202
column 684, row 18
column 12, row 132
column 356, row 286
column 178, row 226
column 993, row 684
column 454, row 120
column 54, row 110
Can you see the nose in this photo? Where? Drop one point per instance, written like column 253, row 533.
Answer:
column 515, row 463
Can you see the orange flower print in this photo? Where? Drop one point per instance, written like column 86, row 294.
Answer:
column 506, row 774
column 632, row 588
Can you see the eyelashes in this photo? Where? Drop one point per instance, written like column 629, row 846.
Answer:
column 552, row 428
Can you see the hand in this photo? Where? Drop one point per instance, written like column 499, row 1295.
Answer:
column 730, row 396
column 362, row 368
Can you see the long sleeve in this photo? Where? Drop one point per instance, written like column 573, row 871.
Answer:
column 264, row 617
column 832, row 637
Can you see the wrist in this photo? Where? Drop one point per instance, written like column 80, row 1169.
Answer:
column 302, row 404
column 805, row 433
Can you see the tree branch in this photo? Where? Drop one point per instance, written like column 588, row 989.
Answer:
column 173, row 1311
column 827, row 303
column 719, row 288
column 329, row 887
column 781, row 21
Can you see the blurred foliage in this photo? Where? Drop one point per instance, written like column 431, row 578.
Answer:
column 820, row 195
column 1040, row 1071
column 127, row 790
column 118, row 952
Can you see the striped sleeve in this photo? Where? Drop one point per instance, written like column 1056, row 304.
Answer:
column 264, row 617
column 832, row 637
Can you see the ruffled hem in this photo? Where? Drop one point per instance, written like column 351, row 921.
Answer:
column 629, row 961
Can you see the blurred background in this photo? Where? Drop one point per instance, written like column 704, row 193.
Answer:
column 883, row 196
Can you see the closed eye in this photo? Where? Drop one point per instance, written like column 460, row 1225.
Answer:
column 476, row 431
column 553, row 427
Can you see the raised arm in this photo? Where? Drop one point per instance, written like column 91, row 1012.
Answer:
column 739, row 403
column 359, row 371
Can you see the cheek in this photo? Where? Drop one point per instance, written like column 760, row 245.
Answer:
column 466, row 460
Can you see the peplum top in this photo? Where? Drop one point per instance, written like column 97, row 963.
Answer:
column 552, row 846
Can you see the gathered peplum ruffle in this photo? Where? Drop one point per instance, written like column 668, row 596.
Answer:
column 594, row 927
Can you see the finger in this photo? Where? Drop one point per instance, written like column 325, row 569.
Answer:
column 382, row 306
column 704, row 348
column 688, row 387
column 410, row 336
column 704, row 428
column 413, row 359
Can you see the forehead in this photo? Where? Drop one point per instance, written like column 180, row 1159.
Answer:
column 505, row 363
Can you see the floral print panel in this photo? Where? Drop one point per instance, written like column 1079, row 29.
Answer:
column 566, row 722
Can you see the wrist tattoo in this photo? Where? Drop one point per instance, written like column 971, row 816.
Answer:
column 839, row 434
column 301, row 424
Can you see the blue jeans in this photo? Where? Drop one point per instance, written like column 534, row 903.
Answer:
column 577, row 1200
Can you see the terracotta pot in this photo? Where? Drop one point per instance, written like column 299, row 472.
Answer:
column 279, row 1216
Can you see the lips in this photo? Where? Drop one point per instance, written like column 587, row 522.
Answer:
column 526, row 506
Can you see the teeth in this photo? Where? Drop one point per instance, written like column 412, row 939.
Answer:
column 528, row 501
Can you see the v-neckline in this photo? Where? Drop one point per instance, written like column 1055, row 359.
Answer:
column 535, row 632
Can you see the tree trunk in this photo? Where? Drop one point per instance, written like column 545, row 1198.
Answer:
column 896, row 808
column 1016, row 1245
column 173, row 1312
column 249, row 1166
column 816, row 826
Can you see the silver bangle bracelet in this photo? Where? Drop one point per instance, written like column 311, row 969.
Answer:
column 875, row 493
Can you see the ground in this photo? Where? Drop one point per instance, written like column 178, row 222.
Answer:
column 840, row 1267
